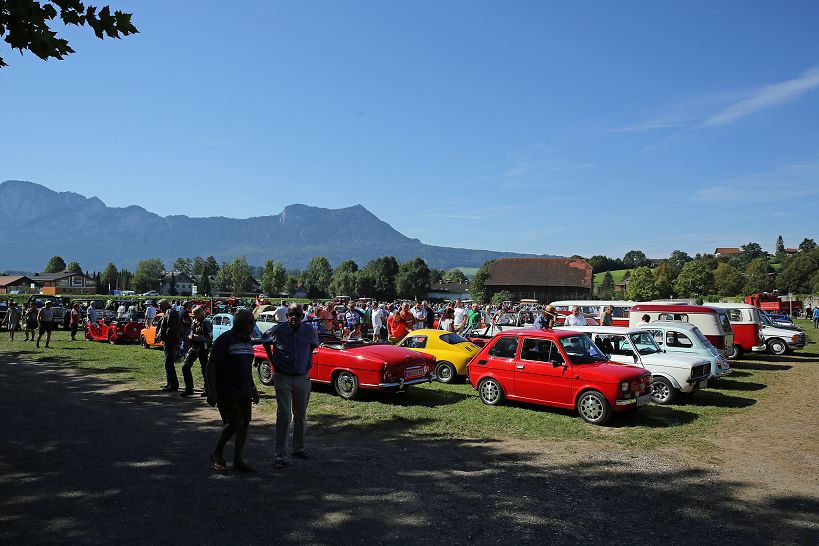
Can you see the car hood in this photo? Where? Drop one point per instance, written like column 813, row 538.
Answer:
column 672, row 360
column 779, row 330
column 608, row 372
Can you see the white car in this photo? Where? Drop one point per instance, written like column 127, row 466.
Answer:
column 151, row 293
column 683, row 338
column 671, row 374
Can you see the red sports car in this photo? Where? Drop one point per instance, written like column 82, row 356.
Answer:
column 113, row 331
column 353, row 365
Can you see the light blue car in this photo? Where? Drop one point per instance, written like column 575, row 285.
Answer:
column 222, row 322
column 684, row 338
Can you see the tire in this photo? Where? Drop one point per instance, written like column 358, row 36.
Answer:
column 265, row 372
column 446, row 372
column 346, row 385
column 662, row 391
column 777, row 347
column 143, row 342
column 490, row 392
column 87, row 335
column 737, row 352
column 111, row 339
column 593, row 407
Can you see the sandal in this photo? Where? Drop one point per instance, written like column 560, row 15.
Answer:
column 243, row 467
column 218, row 465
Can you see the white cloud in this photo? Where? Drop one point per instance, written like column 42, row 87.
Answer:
column 766, row 97
column 793, row 182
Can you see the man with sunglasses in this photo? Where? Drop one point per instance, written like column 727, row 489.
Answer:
column 289, row 347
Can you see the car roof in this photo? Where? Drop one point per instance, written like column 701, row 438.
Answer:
column 538, row 332
column 620, row 303
column 673, row 308
column 729, row 305
column 619, row 330
column 673, row 324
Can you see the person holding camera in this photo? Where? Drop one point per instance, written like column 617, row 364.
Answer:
column 200, row 338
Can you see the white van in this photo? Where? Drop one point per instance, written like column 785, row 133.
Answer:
column 671, row 373
column 593, row 309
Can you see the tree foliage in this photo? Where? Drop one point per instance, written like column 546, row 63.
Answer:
column 757, row 276
column 108, row 278
column 752, row 251
column 695, row 279
column 26, row 25
column 412, row 281
column 606, row 289
column 74, row 267
column 796, row 277
column 780, row 247
column 502, row 296
column 148, row 274
column 678, row 259
column 240, row 277
column 664, row 275
column 728, row 280
column 317, row 277
column 274, row 277
column 377, row 278
column 455, row 275
column 641, row 285
column 477, row 287
column 807, row 245
column 172, row 285
column 635, row 258
column 204, row 287
column 185, row 265
column 55, row 265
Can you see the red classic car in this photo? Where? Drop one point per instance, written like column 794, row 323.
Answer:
column 113, row 331
column 353, row 365
column 557, row 368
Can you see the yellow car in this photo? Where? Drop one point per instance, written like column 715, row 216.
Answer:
column 452, row 351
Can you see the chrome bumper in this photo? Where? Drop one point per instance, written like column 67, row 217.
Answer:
column 401, row 384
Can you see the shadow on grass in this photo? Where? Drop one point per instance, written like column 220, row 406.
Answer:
column 654, row 416
column 141, row 458
column 413, row 396
column 760, row 366
column 730, row 385
column 716, row 399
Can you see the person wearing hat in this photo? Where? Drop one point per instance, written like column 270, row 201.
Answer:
column 200, row 337
column 546, row 320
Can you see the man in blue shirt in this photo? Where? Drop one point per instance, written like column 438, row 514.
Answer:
column 816, row 317
column 231, row 388
column 292, row 357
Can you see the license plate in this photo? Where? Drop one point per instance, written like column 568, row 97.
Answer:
column 642, row 400
column 411, row 373
column 702, row 384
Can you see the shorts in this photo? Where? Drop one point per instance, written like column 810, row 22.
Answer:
column 12, row 326
column 46, row 327
column 31, row 325
column 235, row 410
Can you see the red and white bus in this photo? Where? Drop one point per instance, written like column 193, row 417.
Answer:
column 593, row 310
column 711, row 321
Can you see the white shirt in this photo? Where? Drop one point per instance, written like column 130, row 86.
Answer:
column 460, row 313
column 121, row 310
column 378, row 319
column 575, row 320
column 281, row 314
column 420, row 316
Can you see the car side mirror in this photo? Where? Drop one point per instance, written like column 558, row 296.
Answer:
column 557, row 363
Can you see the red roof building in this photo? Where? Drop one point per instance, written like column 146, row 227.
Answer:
column 542, row 279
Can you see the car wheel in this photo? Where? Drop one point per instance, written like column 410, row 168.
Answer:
column 143, row 342
column 446, row 372
column 490, row 392
column 593, row 407
column 737, row 352
column 111, row 339
column 88, row 335
column 346, row 385
column 662, row 391
column 265, row 372
column 777, row 347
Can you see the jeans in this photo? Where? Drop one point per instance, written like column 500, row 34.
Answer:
column 816, row 322
column 292, row 396
column 171, row 350
column 202, row 354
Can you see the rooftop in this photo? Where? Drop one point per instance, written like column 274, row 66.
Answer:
column 540, row 272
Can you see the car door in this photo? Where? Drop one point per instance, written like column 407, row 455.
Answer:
column 618, row 348
column 541, row 374
column 500, row 362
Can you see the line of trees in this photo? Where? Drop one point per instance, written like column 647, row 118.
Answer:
column 682, row 276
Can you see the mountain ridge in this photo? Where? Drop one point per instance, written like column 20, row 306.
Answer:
column 36, row 220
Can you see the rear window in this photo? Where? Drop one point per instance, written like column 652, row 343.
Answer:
column 726, row 324
column 453, row 339
column 683, row 317
column 734, row 315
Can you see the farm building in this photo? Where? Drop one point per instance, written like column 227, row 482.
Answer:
column 542, row 279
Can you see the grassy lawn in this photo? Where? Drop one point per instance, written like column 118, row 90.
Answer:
column 468, row 271
column 618, row 276
column 453, row 411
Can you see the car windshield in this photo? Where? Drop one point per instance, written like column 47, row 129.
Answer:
column 581, row 349
column 765, row 319
column 704, row 340
column 644, row 343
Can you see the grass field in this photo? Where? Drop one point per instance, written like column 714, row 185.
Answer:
column 468, row 271
column 447, row 411
column 618, row 276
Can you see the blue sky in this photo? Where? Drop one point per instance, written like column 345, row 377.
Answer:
column 546, row 127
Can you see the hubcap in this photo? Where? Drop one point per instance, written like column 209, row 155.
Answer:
column 490, row 391
column 660, row 391
column 445, row 373
column 591, row 407
column 265, row 371
column 345, row 383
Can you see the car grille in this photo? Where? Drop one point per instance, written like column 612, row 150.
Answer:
column 698, row 371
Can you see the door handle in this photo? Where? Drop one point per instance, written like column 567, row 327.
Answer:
column 482, row 362
column 519, row 366
column 315, row 352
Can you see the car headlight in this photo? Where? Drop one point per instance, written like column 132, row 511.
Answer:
column 624, row 386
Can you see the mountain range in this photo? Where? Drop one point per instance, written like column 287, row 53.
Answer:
column 39, row 223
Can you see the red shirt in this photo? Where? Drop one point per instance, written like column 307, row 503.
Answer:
column 396, row 328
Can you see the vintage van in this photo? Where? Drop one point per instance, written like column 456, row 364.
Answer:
column 746, row 325
column 712, row 322
column 671, row 373
column 676, row 337
column 593, row 309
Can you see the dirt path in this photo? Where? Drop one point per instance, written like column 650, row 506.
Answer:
column 87, row 461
